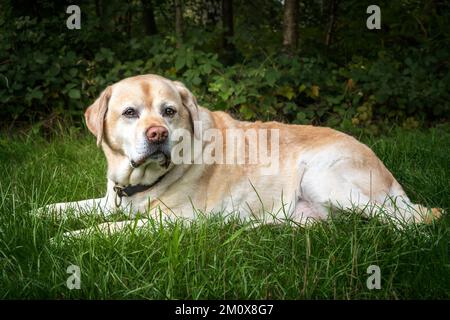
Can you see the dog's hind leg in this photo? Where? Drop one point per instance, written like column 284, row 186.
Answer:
column 370, row 191
column 398, row 200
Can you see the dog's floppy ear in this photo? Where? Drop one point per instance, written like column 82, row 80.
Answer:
column 95, row 114
column 190, row 103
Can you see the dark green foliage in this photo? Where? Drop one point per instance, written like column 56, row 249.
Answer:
column 363, row 79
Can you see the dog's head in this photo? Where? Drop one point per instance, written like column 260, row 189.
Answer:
column 136, row 117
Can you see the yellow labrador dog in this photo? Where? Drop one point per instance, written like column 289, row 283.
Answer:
column 167, row 156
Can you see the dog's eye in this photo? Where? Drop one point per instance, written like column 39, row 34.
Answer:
column 169, row 112
column 130, row 113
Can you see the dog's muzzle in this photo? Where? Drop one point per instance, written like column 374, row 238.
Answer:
column 160, row 156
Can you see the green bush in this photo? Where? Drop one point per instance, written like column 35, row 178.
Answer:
column 45, row 74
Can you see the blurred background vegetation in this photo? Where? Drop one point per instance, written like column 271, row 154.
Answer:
column 300, row 61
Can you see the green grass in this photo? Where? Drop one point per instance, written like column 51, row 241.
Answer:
column 213, row 258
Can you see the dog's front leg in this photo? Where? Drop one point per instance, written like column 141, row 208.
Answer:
column 106, row 228
column 159, row 218
column 100, row 206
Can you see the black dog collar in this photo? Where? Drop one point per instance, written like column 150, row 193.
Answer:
column 130, row 190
